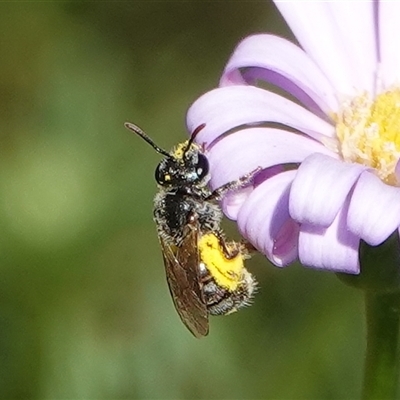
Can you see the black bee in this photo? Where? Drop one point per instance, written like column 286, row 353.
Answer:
column 205, row 272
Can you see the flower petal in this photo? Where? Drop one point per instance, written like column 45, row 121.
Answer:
column 389, row 30
column 340, row 37
column 230, row 107
column 264, row 220
column 273, row 58
column 320, row 189
column 233, row 201
column 374, row 212
column 241, row 152
column 334, row 248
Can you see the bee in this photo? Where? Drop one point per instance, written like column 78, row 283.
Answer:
column 205, row 272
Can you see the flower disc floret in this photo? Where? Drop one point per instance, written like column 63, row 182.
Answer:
column 369, row 132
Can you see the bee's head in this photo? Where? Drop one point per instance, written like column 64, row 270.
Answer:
column 186, row 164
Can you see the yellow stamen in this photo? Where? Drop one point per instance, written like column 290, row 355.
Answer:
column 369, row 132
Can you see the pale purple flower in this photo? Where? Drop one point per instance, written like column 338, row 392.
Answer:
column 329, row 149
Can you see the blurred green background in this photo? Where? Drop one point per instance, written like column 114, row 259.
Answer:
column 85, row 312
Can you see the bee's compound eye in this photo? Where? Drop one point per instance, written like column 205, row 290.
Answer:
column 159, row 175
column 202, row 166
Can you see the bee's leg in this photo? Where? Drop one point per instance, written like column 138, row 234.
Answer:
column 244, row 247
column 244, row 180
column 230, row 249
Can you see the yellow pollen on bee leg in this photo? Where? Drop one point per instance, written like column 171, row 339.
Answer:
column 369, row 132
column 227, row 272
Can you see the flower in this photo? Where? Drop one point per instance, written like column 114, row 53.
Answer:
column 329, row 147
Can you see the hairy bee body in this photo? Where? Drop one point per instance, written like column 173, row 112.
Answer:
column 172, row 210
column 205, row 272
column 221, row 301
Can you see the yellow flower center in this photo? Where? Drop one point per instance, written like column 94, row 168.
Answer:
column 369, row 132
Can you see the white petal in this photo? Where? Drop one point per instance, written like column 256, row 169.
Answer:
column 389, row 30
column 320, row 189
column 264, row 220
column 374, row 212
column 242, row 152
column 277, row 54
column 334, row 248
column 233, row 201
column 340, row 37
column 230, row 107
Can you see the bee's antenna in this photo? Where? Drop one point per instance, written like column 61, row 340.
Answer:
column 138, row 131
column 192, row 137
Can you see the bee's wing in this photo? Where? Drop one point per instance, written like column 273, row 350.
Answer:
column 183, row 276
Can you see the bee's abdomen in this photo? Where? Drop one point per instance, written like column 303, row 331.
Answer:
column 221, row 301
